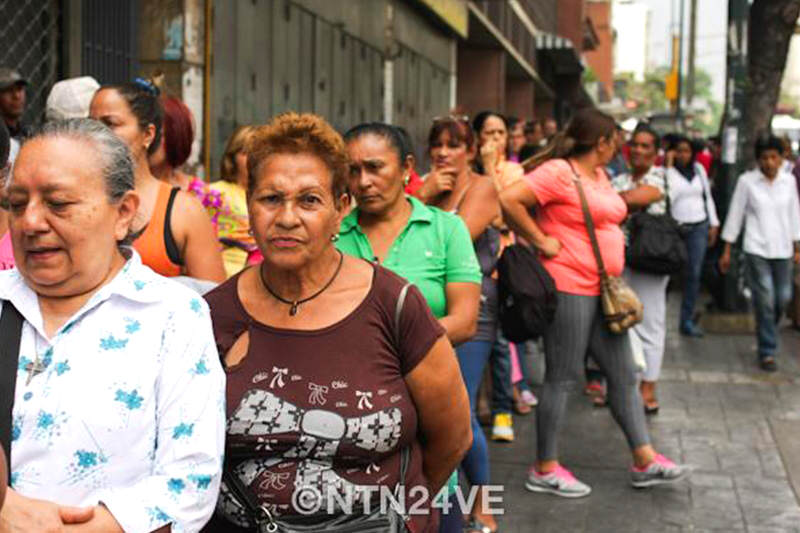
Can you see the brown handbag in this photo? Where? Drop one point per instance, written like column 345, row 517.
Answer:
column 621, row 307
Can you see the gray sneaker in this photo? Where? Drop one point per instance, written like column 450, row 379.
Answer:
column 660, row 471
column 560, row 482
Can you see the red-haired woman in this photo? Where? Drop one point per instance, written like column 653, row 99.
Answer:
column 173, row 152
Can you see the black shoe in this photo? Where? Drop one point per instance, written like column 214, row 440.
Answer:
column 767, row 364
column 690, row 329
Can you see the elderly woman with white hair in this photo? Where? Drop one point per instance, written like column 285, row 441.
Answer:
column 116, row 405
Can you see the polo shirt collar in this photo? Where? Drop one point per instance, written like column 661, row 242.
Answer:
column 419, row 213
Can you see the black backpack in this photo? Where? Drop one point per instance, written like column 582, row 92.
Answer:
column 527, row 294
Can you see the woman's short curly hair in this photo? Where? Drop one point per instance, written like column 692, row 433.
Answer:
column 299, row 133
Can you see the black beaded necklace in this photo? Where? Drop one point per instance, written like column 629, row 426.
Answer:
column 296, row 303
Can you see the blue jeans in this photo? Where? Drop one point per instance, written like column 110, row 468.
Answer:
column 771, row 283
column 472, row 358
column 524, row 367
column 452, row 521
column 696, row 239
column 500, row 361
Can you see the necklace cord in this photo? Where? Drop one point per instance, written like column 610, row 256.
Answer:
column 295, row 303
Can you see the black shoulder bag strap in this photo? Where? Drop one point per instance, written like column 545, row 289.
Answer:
column 10, row 334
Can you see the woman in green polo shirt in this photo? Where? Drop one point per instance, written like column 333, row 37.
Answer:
column 425, row 245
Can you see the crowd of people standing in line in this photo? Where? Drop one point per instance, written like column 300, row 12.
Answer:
column 349, row 307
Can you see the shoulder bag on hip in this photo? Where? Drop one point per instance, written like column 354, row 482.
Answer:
column 621, row 307
column 10, row 335
column 655, row 244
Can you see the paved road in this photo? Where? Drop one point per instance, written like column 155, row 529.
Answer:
column 738, row 426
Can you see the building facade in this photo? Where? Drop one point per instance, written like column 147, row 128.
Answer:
column 242, row 62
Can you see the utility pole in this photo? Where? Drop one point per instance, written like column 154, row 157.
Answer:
column 680, row 61
column 730, row 296
column 692, row 44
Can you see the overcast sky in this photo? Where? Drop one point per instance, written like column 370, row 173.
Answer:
column 712, row 19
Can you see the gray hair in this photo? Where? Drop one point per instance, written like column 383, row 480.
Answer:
column 114, row 155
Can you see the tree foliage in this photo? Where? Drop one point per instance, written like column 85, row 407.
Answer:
column 647, row 96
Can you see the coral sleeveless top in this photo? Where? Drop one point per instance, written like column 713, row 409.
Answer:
column 156, row 245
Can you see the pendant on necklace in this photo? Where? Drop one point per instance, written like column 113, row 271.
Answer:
column 293, row 309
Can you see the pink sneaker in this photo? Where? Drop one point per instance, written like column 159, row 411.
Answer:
column 660, row 471
column 560, row 482
column 528, row 398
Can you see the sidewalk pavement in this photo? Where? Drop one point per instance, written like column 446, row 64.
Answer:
column 739, row 427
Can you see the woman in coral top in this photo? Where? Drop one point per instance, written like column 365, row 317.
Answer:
column 558, row 231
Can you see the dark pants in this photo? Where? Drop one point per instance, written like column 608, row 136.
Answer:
column 472, row 358
column 771, row 283
column 696, row 239
column 500, row 363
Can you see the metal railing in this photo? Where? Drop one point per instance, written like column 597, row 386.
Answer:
column 29, row 44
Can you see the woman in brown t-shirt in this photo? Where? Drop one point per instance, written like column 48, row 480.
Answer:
column 327, row 384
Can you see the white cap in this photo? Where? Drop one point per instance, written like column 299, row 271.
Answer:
column 71, row 98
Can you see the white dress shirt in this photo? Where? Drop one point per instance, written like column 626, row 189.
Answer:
column 129, row 408
column 770, row 212
column 686, row 197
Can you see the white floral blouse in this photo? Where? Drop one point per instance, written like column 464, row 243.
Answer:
column 655, row 177
column 128, row 407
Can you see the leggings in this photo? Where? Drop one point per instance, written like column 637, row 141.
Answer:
column 472, row 358
column 577, row 326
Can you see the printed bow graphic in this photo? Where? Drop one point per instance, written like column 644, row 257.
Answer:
column 317, row 396
column 262, row 414
column 274, row 480
column 278, row 377
column 363, row 399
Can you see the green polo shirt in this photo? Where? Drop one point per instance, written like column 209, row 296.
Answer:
column 434, row 249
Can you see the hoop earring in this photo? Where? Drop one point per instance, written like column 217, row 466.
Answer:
column 334, row 237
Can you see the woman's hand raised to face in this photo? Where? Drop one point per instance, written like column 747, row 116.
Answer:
column 489, row 156
column 439, row 181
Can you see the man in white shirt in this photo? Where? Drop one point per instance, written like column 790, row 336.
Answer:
column 766, row 202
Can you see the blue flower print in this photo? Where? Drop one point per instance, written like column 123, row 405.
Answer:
column 157, row 515
column 23, row 363
column 16, row 428
column 182, row 430
column 195, row 304
column 132, row 327
column 131, row 399
column 139, row 284
column 201, row 481
column 44, row 420
column 47, row 358
column 112, row 343
column 61, row 367
column 176, row 485
column 27, row 396
column 86, row 459
column 200, row 368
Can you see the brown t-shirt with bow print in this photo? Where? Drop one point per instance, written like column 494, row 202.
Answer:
column 326, row 408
